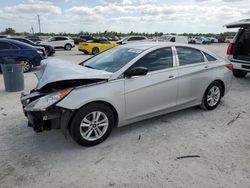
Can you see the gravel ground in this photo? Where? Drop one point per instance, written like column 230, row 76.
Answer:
column 139, row 155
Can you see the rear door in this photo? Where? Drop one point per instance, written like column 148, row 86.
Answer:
column 193, row 75
column 8, row 50
column 155, row 91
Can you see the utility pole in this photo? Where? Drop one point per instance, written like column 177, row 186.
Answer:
column 38, row 17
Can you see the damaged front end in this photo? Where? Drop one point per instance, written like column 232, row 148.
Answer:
column 39, row 105
column 41, row 111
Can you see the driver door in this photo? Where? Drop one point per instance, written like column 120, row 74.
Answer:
column 155, row 91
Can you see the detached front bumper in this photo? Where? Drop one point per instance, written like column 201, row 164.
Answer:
column 51, row 118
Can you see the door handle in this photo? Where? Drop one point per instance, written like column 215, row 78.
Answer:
column 206, row 67
column 171, row 76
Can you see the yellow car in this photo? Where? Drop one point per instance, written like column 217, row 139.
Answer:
column 96, row 46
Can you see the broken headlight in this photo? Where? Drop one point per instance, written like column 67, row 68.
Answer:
column 44, row 102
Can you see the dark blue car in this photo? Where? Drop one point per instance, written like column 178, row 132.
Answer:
column 23, row 53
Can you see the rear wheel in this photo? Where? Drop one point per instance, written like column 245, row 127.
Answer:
column 212, row 96
column 92, row 124
column 25, row 63
column 95, row 51
column 239, row 73
column 67, row 47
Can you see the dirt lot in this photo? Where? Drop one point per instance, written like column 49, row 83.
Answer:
column 140, row 155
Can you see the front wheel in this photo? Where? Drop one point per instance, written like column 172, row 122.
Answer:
column 239, row 73
column 92, row 124
column 212, row 96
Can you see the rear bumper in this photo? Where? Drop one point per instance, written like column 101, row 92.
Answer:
column 240, row 65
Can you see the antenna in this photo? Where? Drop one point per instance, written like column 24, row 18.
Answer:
column 39, row 24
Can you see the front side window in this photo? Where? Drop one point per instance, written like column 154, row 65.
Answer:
column 156, row 60
column 189, row 56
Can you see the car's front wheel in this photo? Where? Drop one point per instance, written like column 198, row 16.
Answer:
column 92, row 124
column 212, row 96
column 239, row 73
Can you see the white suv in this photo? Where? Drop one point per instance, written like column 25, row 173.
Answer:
column 59, row 42
column 131, row 39
column 239, row 49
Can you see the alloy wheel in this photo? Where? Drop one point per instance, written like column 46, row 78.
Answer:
column 94, row 125
column 213, row 96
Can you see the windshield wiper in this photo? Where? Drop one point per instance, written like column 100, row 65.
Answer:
column 88, row 66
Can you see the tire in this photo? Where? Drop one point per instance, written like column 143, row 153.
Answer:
column 239, row 73
column 214, row 92
column 95, row 51
column 26, row 63
column 48, row 52
column 67, row 46
column 84, row 130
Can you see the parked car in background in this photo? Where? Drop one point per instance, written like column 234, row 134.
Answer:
column 86, row 38
column 239, row 49
column 123, row 85
column 213, row 39
column 77, row 40
column 3, row 36
column 229, row 39
column 200, row 40
column 113, row 38
column 23, row 53
column 220, row 38
column 33, row 38
column 174, row 38
column 95, row 46
column 59, row 42
column 49, row 50
column 131, row 39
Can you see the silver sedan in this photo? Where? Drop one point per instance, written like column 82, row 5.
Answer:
column 123, row 85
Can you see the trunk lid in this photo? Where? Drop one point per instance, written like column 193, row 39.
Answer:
column 56, row 70
column 241, row 23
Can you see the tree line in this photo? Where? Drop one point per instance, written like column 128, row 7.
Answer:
column 106, row 33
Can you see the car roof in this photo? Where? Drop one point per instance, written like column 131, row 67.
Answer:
column 240, row 23
column 17, row 43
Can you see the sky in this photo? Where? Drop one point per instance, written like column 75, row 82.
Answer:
column 167, row 16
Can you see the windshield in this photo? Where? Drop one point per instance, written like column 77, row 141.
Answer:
column 112, row 60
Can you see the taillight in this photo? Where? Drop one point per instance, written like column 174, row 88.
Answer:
column 40, row 52
column 230, row 67
column 230, row 49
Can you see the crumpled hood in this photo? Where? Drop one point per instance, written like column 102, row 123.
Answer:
column 54, row 70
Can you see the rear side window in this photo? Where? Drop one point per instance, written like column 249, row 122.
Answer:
column 61, row 38
column 209, row 57
column 156, row 60
column 6, row 46
column 189, row 56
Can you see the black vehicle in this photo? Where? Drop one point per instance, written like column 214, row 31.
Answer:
column 48, row 49
column 87, row 38
column 239, row 50
column 78, row 39
column 33, row 38
column 3, row 36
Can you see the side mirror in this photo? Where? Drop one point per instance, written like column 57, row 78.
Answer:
column 136, row 71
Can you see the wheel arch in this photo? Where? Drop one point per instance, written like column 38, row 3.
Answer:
column 116, row 116
column 222, row 84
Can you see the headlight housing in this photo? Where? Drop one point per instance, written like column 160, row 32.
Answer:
column 46, row 101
